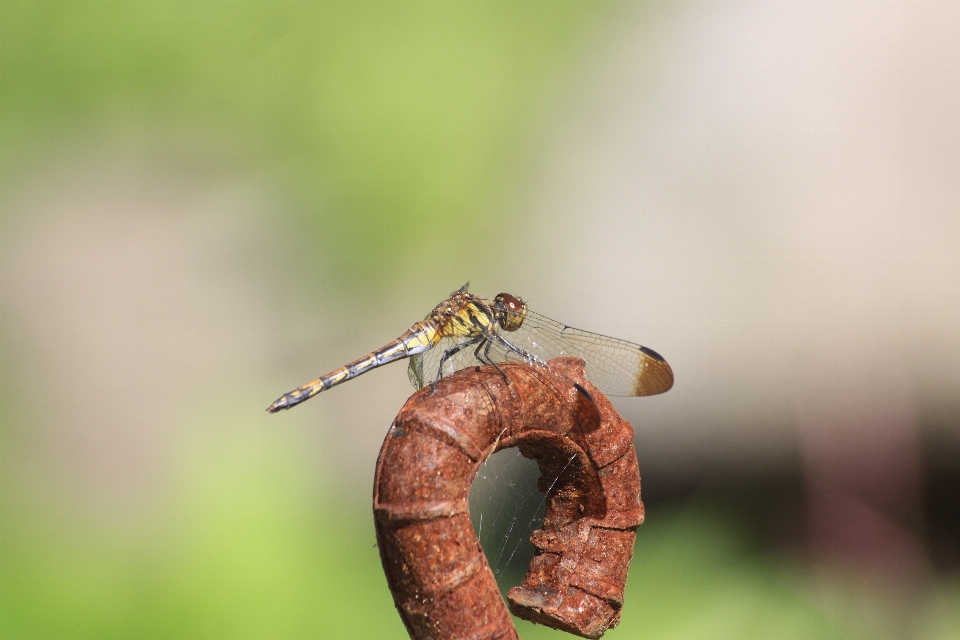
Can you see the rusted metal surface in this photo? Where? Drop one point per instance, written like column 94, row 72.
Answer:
column 435, row 567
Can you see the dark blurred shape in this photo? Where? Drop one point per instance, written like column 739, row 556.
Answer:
column 940, row 445
column 862, row 470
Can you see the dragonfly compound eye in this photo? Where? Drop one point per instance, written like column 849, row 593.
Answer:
column 514, row 311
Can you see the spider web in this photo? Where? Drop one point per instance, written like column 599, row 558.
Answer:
column 506, row 508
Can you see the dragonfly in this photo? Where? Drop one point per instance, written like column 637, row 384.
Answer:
column 466, row 330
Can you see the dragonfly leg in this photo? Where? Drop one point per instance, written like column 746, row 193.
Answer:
column 452, row 351
column 485, row 358
column 486, row 351
column 485, row 344
column 529, row 357
column 476, row 352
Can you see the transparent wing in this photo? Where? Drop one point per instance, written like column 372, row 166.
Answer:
column 616, row 367
column 424, row 367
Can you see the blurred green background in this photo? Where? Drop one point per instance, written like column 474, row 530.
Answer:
column 205, row 204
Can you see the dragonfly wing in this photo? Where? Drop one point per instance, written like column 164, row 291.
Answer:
column 616, row 367
column 424, row 367
column 415, row 371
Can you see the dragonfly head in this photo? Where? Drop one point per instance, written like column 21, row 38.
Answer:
column 512, row 311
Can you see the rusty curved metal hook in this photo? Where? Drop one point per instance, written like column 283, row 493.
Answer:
column 436, row 570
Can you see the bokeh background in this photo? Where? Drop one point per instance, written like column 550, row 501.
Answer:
column 205, row 204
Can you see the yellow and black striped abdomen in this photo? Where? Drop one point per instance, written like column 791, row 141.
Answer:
column 417, row 339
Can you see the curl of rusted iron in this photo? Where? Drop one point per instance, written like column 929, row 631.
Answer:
column 435, row 567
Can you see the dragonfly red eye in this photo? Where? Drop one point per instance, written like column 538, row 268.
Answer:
column 514, row 311
column 512, row 303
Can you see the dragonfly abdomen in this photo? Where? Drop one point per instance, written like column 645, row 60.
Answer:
column 417, row 339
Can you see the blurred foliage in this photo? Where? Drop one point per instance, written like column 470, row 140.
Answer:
column 237, row 555
column 386, row 123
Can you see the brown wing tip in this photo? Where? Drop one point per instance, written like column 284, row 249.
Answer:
column 655, row 377
column 653, row 354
